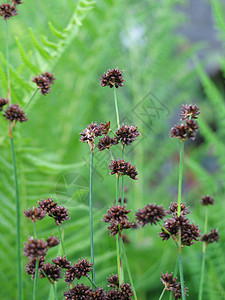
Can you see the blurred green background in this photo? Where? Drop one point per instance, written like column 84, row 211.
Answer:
column 162, row 70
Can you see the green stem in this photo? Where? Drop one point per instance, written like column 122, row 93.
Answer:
column 35, row 280
column 7, row 60
column 203, row 259
column 92, row 282
column 160, row 298
column 30, row 100
column 19, row 259
column 181, row 276
column 35, row 231
column 55, row 291
column 129, row 272
column 117, row 189
column 174, row 275
column 180, row 178
column 116, row 107
column 91, row 217
column 61, row 240
column 122, row 193
column 118, row 257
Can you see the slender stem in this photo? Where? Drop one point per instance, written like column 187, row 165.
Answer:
column 129, row 272
column 180, row 178
column 174, row 275
column 122, row 193
column 30, row 100
column 55, row 291
column 203, row 259
column 160, row 298
column 92, row 282
column 116, row 107
column 117, row 188
column 7, row 61
column 61, row 241
column 35, row 231
column 91, row 216
column 35, row 280
column 118, row 257
column 19, row 259
column 181, row 276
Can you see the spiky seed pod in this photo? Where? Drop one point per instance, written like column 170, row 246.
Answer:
column 17, row 2
column 151, row 213
column 47, row 205
column 79, row 291
column 106, row 143
column 120, row 168
column 173, row 209
column 7, row 11
column 97, row 294
column 50, row 271
column 189, row 111
column 15, row 113
column 78, row 270
column 207, row 200
column 126, row 291
column 31, row 266
column 117, row 213
column 90, row 133
column 113, row 294
column 62, row 262
column 113, row 281
column 211, row 237
column 117, row 227
column 3, row 102
column 105, row 127
column 34, row 214
column 169, row 281
column 52, row 241
column 44, row 82
column 112, row 78
column 60, row 214
column 127, row 134
column 35, row 248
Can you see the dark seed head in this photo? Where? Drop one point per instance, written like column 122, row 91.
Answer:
column 211, row 237
column 112, row 78
column 127, row 134
column 47, row 205
column 189, row 112
column 3, row 102
column 62, row 262
column 34, row 214
column 34, row 249
column 60, row 214
column 15, row 113
column 44, row 82
column 51, row 271
column 120, row 168
column 106, row 143
column 52, row 241
column 207, row 200
column 31, row 265
column 78, row 292
column 151, row 213
column 7, row 11
column 113, row 281
column 173, row 209
column 78, row 270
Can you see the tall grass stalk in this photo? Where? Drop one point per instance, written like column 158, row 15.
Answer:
column 203, row 258
column 180, row 178
column 61, row 240
column 91, row 216
column 30, row 100
column 161, row 296
column 55, row 291
column 35, row 280
column 7, row 60
column 116, row 107
column 181, row 276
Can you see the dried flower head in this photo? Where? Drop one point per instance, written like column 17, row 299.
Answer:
column 17, row 2
column 3, row 102
column 90, row 133
column 127, row 134
column 189, row 112
column 50, row 271
column 7, row 11
column 34, row 249
column 211, row 237
column 44, row 82
column 79, row 291
column 62, row 262
column 105, row 127
column 31, row 265
column 170, row 283
column 15, row 113
column 47, row 205
column 112, row 78
column 97, row 294
column 185, row 131
column 34, row 214
column 60, row 214
column 106, row 143
column 120, row 167
column 189, row 231
column 113, row 281
column 207, row 200
column 52, row 241
column 78, row 270
column 151, row 213
column 173, row 209
column 124, row 293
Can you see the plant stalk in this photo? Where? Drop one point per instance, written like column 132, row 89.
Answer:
column 35, row 280
column 7, row 61
column 122, row 193
column 91, row 217
column 180, row 178
column 92, row 282
column 55, row 291
column 30, row 100
column 116, row 107
column 19, row 259
column 61, row 240
column 181, row 276
column 35, row 231
column 160, row 298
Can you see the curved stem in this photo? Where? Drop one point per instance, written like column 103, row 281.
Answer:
column 181, row 276
column 116, row 107
column 91, row 216
column 19, row 259
column 61, row 240
column 95, row 286
column 35, row 280
column 160, row 298
column 30, row 100
column 180, row 178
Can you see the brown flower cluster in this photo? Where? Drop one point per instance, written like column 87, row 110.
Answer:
column 8, row 11
column 113, row 281
column 112, row 78
column 34, row 214
column 15, row 113
column 51, row 272
column 31, row 266
column 35, row 248
column 80, row 291
column 62, row 262
column 207, row 200
column 127, row 134
column 118, row 219
column 211, row 237
column 52, row 241
column 44, row 82
column 3, row 102
column 151, row 213
column 171, row 285
column 174, row 208
column 188, row 129
column 124, row 292
column 78, row 270
column 120, row 168
column 55, row 211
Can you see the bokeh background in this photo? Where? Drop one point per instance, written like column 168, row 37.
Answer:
column 172, row 52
